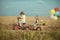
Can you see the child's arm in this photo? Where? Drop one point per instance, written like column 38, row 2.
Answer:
column 20, row 17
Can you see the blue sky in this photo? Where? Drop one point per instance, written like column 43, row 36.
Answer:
column 30, row 7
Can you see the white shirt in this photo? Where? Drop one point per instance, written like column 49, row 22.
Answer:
column 22, row 18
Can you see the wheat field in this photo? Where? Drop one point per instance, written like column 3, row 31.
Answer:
column 7, row 33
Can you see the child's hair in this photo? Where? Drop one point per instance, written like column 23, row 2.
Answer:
column 22, row 13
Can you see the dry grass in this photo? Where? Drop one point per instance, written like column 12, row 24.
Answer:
column 13, row 19
column 28, row 35
column 6, row 32
column 10, row 20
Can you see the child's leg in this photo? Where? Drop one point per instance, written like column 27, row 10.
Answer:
column 20, row 24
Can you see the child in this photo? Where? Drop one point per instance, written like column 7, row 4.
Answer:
column 36, row 24
column 21, row 19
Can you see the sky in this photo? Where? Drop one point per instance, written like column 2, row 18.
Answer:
column 30, row 7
